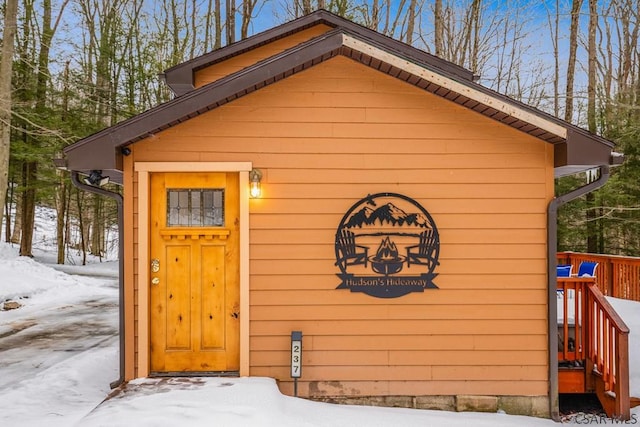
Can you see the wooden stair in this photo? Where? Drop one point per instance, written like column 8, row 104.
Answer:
column 594, row 357
column 571, row 380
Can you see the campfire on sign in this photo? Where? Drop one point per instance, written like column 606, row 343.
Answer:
column 386, row 260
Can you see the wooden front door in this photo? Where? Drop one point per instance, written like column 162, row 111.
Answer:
column 194, row 272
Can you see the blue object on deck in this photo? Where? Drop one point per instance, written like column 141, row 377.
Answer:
column 587, row 269
column 564, row 270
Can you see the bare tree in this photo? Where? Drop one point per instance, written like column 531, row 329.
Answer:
column 213, row 10
column 306, row 7
column 554, row 29
column 592, row 66
column 392, row 26
column 571, row 63
column 30, row 166
column 592, row 233
column 375, row 15
column 411, row 21
column 231, row 21
column 6, row 71
column 438, row 23
column 218, row 21
column 248, row 7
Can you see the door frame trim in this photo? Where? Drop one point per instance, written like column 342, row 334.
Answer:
column 144, row 169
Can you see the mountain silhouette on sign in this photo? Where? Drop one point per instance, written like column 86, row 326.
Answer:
column 386, row 214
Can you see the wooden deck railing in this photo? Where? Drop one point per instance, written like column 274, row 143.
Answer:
column 600, row 341
column 571, row 309
column 616, row 276
column 608, row 352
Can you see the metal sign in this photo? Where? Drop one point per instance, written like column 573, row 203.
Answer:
column 387, row 245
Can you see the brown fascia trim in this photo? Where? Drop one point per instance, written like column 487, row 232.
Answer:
column 180, row 78
column 582, row 147
column 581, row 151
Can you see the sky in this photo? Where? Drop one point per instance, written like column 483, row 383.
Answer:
column 59, row 353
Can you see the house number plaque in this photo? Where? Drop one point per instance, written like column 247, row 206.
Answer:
column 296, row 359
column 387, row 245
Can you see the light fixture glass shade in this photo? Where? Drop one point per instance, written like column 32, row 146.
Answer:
column 255, row 178
column 255, row 190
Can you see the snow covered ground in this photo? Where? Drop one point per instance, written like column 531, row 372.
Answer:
column 59, row 352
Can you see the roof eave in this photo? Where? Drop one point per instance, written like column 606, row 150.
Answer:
column 574, row 147
column 180, row 78
column 582, row 151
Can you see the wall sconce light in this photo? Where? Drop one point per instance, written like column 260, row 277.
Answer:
column 96, row 179
column 255, row 177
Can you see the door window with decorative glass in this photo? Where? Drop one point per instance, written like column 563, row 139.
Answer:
column 195, row 207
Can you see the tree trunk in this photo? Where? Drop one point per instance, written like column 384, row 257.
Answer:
column 28, row 209
column 411, row 21
column 6, row 71
column 394, row 25
column 67, row 218
column 7, row 217
column 247, row 12
column 592, row 64
column 306, row 7
column 218, row 20
column 592, row 226
column 61, row 215
column 387, row 17
column 207, row 25
column 556, row 59
column 474, row 33
column 17, row 220
column 81, row 228
column 30, row 168
column 97, row 228
column 375, row 15
column 438, row 38
column 231, row 21
column 571, row 63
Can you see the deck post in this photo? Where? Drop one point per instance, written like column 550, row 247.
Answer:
column 621, row 387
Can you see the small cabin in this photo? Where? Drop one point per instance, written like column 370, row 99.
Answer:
column 323, row 181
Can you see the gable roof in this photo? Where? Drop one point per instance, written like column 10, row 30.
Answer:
column 180, row 78
column 575, row 149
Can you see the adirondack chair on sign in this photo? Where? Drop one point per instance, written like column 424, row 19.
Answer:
column 423, row 253
column 349, row 252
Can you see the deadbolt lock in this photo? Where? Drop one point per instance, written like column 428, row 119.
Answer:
column 155, row 265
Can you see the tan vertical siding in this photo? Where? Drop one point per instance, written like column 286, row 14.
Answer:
column 237, row 63
column 327, row 137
